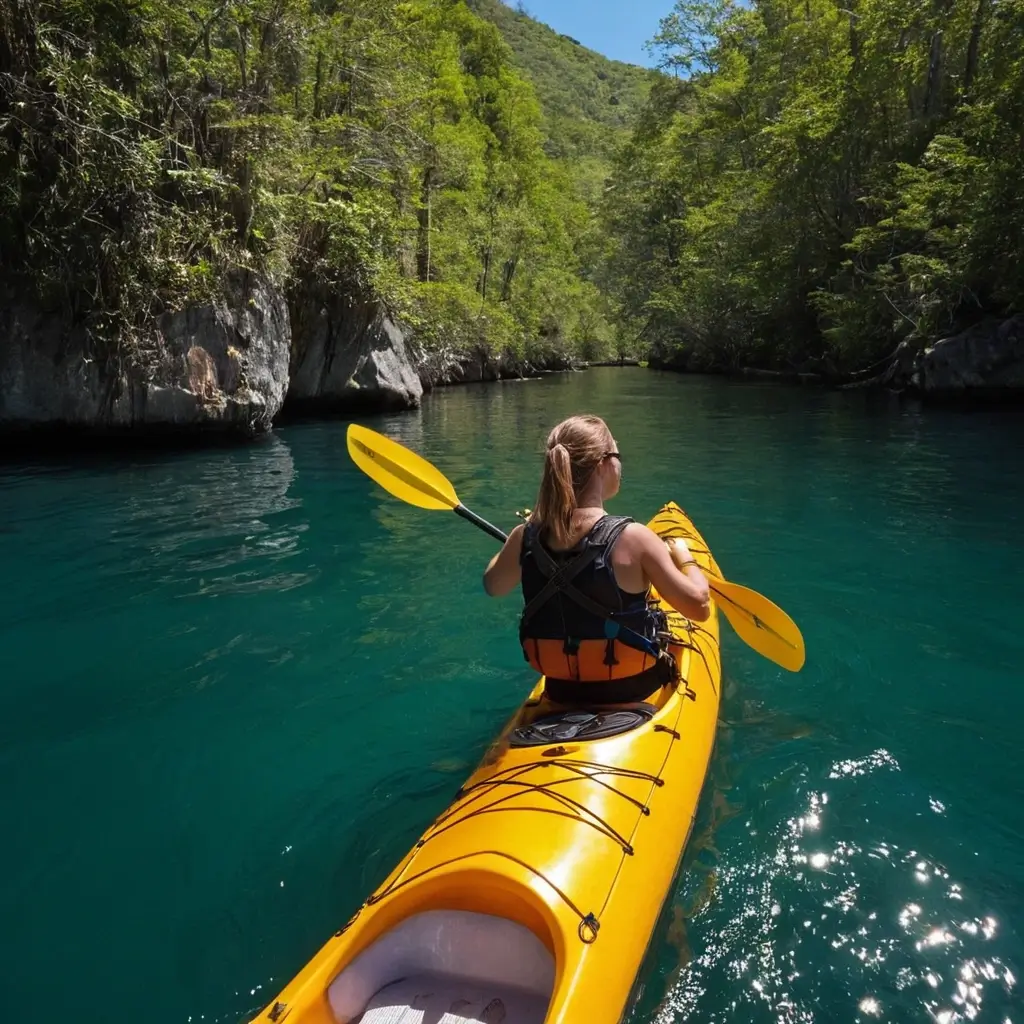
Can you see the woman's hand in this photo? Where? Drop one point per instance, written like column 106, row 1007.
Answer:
column 680, row 553
column 670, row 566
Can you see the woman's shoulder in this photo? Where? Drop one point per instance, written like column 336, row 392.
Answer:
column 638, row 536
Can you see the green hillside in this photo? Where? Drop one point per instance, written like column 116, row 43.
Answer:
column 582, row 93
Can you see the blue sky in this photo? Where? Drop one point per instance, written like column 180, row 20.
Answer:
column 616, row 29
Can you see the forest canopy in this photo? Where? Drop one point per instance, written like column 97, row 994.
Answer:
column 803, row 184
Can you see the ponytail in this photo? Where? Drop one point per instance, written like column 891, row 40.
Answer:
column 556, row 501
column 574, row 449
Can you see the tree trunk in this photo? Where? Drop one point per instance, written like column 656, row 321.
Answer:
column 243, row 56
column 854, row 35
column 242, row 203
column 18, row 53
column 933, row 104
column 489, row 250
column 318, row 85
column 424, row 216
column 971, row 64
column 508, row 271
column 483, row 276
column 934, row 81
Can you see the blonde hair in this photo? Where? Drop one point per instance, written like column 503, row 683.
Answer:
column 575, row 449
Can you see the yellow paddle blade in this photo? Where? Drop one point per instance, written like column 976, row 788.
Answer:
column 762, row 625
column 398, row 470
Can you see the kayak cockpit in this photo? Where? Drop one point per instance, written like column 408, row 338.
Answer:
column 455, row 966
column 567, row 724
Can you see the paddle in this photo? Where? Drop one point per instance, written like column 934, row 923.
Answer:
column 758, row 622
column 408, row 476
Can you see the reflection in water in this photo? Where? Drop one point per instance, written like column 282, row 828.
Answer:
column 195, row 526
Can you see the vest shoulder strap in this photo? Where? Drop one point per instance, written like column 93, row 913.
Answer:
column 606, row 531
column 559, row 577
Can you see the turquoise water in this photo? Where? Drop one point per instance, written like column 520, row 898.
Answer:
column 235, row 685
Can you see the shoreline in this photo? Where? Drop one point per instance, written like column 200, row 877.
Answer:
column 980, row 366
column 59, row 438
column 18, row 440
column 896, row 387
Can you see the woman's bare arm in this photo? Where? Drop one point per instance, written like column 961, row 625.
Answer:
column 684, row 589
column 503, row 572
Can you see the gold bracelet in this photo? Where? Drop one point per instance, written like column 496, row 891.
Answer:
column 692, row 561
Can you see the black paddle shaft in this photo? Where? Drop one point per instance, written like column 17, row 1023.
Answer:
column 461, row 510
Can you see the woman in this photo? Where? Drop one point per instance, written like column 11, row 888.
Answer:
column 588, row 623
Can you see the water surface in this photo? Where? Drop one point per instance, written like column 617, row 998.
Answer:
column 235, row 685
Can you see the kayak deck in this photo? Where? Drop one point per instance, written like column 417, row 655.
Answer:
column 533, row 897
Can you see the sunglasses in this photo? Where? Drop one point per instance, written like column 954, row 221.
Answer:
column 613, row 455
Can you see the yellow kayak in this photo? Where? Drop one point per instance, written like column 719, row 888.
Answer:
column 533, row 897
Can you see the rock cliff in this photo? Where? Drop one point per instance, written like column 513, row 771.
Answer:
column 221, row 367
column 346, row 355
column 986, row 360
column 228, row 366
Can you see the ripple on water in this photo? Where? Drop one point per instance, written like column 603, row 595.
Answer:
column 818, row 918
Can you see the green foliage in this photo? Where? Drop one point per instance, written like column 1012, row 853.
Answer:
column 386, row 147
column 821, row 182
column 451, row 318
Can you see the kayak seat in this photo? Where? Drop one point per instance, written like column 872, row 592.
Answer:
column 426, row 999
column 447, row 967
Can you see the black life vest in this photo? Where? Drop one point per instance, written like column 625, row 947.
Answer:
column 577, row 623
